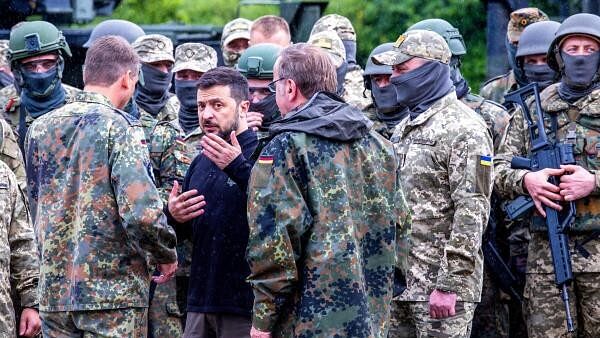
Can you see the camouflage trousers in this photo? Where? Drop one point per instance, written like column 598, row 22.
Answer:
column 457, row 326
column 491, row 319
column 164, row 316
column 401, row 321
column 115, row 323
column 544, row 310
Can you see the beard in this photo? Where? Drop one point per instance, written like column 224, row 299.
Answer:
column 225, row 132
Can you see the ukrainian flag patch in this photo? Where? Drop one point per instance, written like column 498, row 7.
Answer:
column 485, row 160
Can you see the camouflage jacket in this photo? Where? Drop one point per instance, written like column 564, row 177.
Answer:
column 582, row 117
column 495, row 88
column 97, row 211
column 323, row 217
column 168, row 113
column 10, row 102
column 446, row 174
column 185, row 148
column 10, row 153
column 495, row 116
column 19, row 261
column 378, row 125
column 354, row 87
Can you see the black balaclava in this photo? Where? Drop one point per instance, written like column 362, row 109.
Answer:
column 460, row 83
column 187, row 93
column 42, row 92
column 267, row 107
column 154, row 93
column 5, row 79
column 350, row 46
column 543, row 75
column 422, row 87
column 386, row 103
column 579, row 76
column 341, row 75
column 511, row 49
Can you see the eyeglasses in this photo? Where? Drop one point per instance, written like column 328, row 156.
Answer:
column 271, row 85
column 39, row 66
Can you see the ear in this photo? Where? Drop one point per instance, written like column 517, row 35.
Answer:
column 291, row 90
column 244, row 107
column 125, row 81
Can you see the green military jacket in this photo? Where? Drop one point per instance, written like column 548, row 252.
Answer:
column 446, row 173
column 19, row 263
column 495, row 88
column 96, row 208
column 582, row 120
column 495, row 116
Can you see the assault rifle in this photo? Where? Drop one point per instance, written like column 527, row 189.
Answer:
column 546, row 154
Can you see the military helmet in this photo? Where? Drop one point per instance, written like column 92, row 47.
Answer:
column 337, row 23
column 522, row 18
column 31, row 38
column 195, row 56
column 577, row 24
column 331, row 43
column 123, row 28
column 373, row 69
column 447, row 31
column 416, row 43
column 536, row 38
column 258, row 61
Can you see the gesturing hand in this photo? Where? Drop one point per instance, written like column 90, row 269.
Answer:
column 186, row 206
column 219, row 151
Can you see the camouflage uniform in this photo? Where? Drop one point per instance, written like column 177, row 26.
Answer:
column 19, row 261
column 354, row 87
column 495, row 88
column 543, row 306
column 495, row 116
column 321, row 262
column 4, row 63
column 10, row 153
column 96, row 176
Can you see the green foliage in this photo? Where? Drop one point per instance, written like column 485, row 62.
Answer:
column 376, row 21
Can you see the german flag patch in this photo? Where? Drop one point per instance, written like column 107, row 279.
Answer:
column 265, row 159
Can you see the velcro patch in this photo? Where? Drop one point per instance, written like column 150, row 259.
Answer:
column 265, row 159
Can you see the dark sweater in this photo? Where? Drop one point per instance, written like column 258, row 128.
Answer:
column 219, row 268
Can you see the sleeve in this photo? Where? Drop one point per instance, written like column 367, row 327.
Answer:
column 167, row 168
column 239, row 171
column 470, row 180
column 138, row 199
column 11, row 153
column 278, row 216
column 508, row 182
column 24, row 259
column 403, row 227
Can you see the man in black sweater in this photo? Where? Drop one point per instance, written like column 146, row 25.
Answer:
column 219, row 299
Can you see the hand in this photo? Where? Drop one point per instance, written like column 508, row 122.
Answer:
column 30, row 323
column 184, row 207
column 166, row 272
column 542, row 191
column 441, row 304
column 576, row 183
column 255, row 333
column 219, row 151
column 254, row 120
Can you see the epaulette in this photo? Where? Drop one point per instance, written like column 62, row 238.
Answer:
column 494, row 79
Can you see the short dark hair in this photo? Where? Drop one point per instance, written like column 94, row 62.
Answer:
column 224, row 76
column 309, row 67
column 268, row 25
column 107, row 59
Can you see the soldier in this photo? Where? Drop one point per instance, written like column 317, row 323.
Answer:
column 19, row 261
column 330, row 43
column 353, row 79
column 531, row 53
column 322, row 224
column 98, row 213
column 234, row 40
column 152, row 96
column 256, row 65
column 270, row 29
column 495, row 88
column 384, row 111
column 445, row 152
column 10, row 153
column 6, row 76
column 573, row 104
column 36, row 54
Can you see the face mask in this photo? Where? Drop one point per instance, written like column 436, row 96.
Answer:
column 40, row 84
column 384, row 97
column 341, row 75
column 350, row 47
column 5, row 80
column 460, row 83
column 421, row 87
column 230, row 58
column 511, row 49
column 268, row 107
column 187, row 93
column 153, row 94
column 542, row 74
column 42, row 92
column 579, row 70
